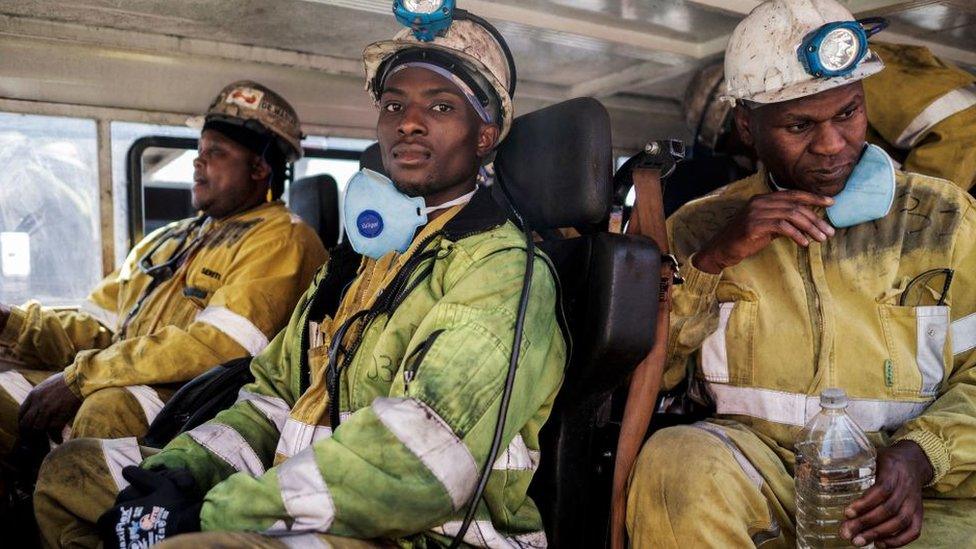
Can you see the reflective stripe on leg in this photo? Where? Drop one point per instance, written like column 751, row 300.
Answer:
column 120, row 453
column 148, row 399
column 774, row 531
column 16, row 385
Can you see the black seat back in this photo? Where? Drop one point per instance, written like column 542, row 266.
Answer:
column 315, row 199
column 557, row 166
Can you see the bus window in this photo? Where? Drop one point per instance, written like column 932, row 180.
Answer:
column 49, row 211
column 124, row 135
column 160, row 176
column 335, row 156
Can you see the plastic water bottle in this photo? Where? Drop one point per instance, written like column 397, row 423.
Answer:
column 835, row 464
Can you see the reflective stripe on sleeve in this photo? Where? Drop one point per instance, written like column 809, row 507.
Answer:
column 303, row 491
column 714, row 354
column 949, row 104
column 964, row 334
column 797, row 408
column 517, row 457
column 303, row 541
column 297, row 436
column 434, row 443
column 237, row 327
column 273, row 408
column 227, row 444
column 120, row 453
column 105, row 317
column 148, row 399
column 482, row 533
column 16, row 385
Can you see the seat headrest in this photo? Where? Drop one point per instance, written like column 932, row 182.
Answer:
column 372, row 159
column 315, row 200
column 557, row 163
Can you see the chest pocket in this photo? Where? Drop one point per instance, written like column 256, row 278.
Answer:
column 728, row 354
column 201, row 282
column 918, row 344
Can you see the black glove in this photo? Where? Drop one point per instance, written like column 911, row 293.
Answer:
column 155, row 506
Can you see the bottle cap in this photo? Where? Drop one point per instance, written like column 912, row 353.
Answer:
column 833, row 398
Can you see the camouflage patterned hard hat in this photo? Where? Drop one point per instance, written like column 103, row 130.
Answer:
column 256, row 107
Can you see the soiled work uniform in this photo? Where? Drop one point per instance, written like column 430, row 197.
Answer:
column 766, row 336
column 135, row 341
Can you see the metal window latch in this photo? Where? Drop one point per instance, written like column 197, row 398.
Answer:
column 662, row 155
column 676, row 277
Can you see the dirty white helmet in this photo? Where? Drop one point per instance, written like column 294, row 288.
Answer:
column 787, row 49
column 706, row 115
column 480, row 53
column 258, row 108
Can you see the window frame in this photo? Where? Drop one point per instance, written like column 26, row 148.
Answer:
column 133, row 170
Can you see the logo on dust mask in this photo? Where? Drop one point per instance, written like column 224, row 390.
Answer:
column 370, row 224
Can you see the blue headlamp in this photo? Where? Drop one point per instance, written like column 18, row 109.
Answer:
column 835, row 49
column 427, row 18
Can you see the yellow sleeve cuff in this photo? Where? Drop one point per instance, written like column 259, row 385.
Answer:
column 935, row 449
column 71, row 380
column 699, row 282
column 11, row 331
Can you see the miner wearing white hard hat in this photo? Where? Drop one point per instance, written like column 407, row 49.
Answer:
column 829, row 268
column 191, row 295
column 374, row 413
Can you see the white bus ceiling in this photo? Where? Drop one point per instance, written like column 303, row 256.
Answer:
column 159, row 61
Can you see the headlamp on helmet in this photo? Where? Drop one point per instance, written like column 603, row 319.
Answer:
column 835, row 49
column 427, row 18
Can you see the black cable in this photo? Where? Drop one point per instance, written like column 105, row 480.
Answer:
column 510, row 376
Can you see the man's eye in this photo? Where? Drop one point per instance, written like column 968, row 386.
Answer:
column 846, row 114
column 442, row 108
column 392, row 107
column 799, row 127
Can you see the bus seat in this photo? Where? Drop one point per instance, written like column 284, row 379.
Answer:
column 372, row 159
column 315, row 199
column 557, row 164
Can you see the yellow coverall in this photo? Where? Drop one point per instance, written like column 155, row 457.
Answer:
column 923, row 112
column 126, row 350
column 766, row 336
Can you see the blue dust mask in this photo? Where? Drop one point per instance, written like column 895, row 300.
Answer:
column 379, row 219
column 869, row 192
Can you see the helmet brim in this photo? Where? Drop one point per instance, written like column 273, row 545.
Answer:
column 872, row 64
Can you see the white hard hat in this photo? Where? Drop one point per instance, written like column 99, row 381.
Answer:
column 467, row 41
column 765, row 58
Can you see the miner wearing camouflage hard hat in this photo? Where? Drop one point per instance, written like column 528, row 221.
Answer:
column 189, row 296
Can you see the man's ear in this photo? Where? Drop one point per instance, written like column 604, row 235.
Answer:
column 487, row 139
column 260, row 169
column 743, row 122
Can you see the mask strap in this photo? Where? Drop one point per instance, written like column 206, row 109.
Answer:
column 459, row 200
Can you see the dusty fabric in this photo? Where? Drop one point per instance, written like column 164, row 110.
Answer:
column 766, row 336
column 914, row 80
column 235, row 290
column 703, row 496
column 79, row 481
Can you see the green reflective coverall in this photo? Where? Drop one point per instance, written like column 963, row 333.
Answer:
column 426, row 354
